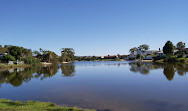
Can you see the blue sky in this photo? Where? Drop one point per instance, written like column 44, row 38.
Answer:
column 93, row 27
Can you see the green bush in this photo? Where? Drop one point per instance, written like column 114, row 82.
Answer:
column 174, row 59
column 181, row 59
column 8, row 57
column 170, row 59
column 138, row 56
column 31, row 60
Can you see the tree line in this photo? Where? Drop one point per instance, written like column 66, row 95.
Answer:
column 172, row 52
column 16, row 53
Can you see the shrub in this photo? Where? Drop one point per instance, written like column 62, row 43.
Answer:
column 8, row 58
column 138, row 56
column 181, row 59
column 170, row 59
column 31, row 60
column 174, row 59
column 181, row 54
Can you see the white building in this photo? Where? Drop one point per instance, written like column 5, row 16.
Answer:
column 142, row 53
column 2, row 55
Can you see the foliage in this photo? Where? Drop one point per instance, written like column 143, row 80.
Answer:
column 168, row 49
column 46, row 56
column 138, row 56
column 143, row 47
column 3, row 50
column 134, row 49
column 67, row 54
column 8, row 105
column 183, row 59
column 170, row 59
column 7, row 58
column 180, row 45
column 26, row 52
column 15, row 51
column 93, row 58
column 181, row 54
column 49, row 56
column 174, row 59
column 31, row 60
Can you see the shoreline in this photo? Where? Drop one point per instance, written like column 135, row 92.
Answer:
column 6, row 104
column 14, row 66
column 5, row 66
column 66, row 62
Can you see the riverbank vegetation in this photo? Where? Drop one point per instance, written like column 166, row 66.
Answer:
column 174, row 53
column 8, row 105
column 169, row 53
column 11, row 55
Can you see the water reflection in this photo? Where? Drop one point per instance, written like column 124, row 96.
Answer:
column 17, row 76
column 68, row 70
column 169, row 69
column 101, row 85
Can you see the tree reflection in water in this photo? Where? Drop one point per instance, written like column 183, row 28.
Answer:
column 68, row 70
column 169, row 69
column 17, row 76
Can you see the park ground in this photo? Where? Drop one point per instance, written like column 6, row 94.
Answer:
column 8, row 105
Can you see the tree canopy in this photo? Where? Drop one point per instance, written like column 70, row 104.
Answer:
column 8, row 57
column 180, row 45
column 143, row 47
column 134, row 49
column 67, row 55
column 168, row 48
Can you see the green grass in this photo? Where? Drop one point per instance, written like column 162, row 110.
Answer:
column 8, row 105
column 159, row 61
column 4, row 66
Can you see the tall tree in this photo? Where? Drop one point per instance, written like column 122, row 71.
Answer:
column 49, row 56
column 180, row 45
column 15, row 51
column 67, row 54
column 168, row 48
column 7, row 58
column 134, row 49
column 26, row 52
column 143, row 47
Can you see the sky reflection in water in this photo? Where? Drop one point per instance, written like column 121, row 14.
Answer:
column 106, row 86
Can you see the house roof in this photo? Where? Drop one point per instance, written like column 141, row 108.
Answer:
column 186, row 49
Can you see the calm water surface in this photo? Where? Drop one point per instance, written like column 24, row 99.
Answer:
column 105, row 86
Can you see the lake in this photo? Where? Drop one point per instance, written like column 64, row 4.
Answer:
column 102, row 85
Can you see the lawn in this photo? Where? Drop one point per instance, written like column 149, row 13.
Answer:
column 8, row 105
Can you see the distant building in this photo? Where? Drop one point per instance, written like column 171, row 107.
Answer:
column 133, row 55
column 160, row 54
column 148, row 58
column 110, row 57
column 147, row 52
column 10, row 62
column 2, row 55
column 185, row 50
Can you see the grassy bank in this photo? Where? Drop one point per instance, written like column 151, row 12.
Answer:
column 3, row 66
column 8, row 105
column 172, row 59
